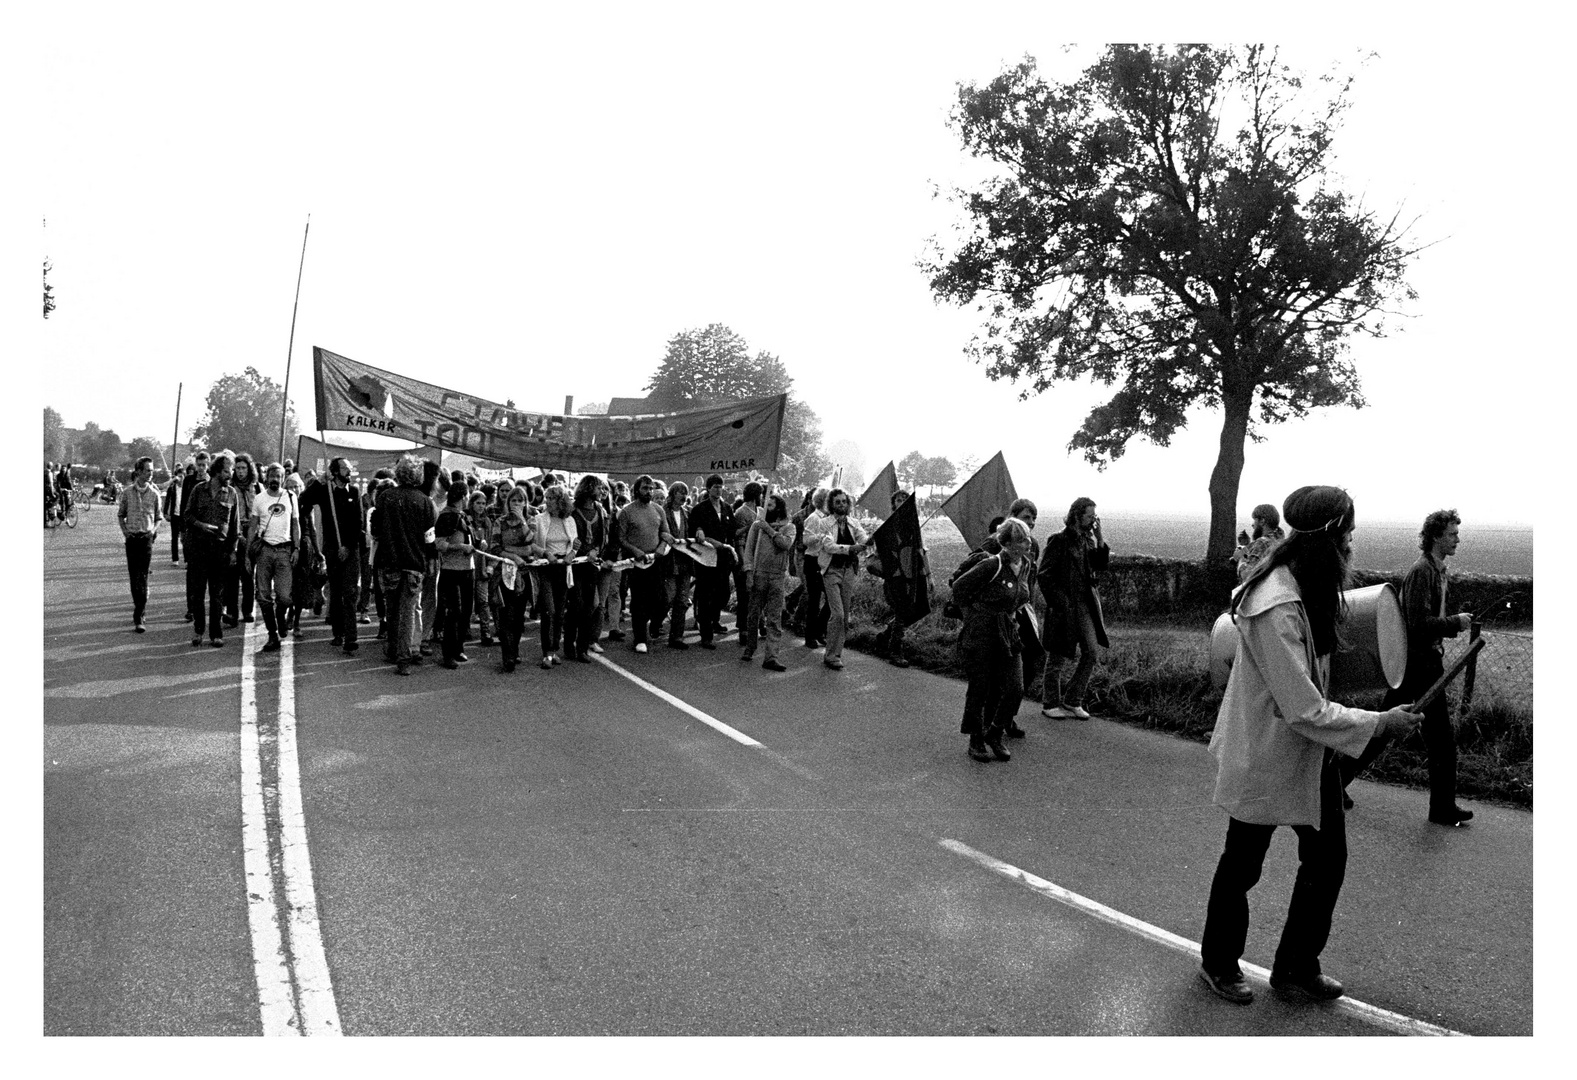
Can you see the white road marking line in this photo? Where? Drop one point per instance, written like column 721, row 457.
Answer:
column 678, row 703
column 1371, row 1014
column 319, row 1014
column 268, row 954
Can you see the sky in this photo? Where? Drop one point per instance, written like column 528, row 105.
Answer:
column 527, row 202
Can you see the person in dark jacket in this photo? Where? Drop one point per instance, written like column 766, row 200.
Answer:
column 1424, row 610
column 1073, row 609
column 712, row 520
column 990, row 588
column 405, row 521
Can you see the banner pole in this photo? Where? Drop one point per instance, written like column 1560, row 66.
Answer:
column 175, row 436
column 284, row 406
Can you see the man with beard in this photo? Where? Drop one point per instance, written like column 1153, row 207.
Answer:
column 275, row 521
column 713, row 520
column 405, row 521
column 641, row 531
column 338, row 504
column 139, row 516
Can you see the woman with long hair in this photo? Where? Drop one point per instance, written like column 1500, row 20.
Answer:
column 837, row 541
column 456, row 558
column 241, row 586
column 482, row 575
column 591, row 527
column 990, row 587
column 512, row 540
column 766, row 550
column 556, row 537
column 1276, row 741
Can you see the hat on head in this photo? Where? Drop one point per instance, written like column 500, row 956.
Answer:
column 1316, row 507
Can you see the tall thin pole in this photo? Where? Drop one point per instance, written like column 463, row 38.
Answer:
column 284, row 407
column 175, row 436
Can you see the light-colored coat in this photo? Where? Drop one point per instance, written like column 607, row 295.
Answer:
column 1275, row 720
column 821, row 538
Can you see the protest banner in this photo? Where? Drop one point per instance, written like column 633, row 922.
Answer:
column 982, row 497
column 315, row 454
column 728, row 437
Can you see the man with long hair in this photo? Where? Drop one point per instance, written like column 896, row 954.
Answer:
column 1424, row 609
column 1276, row 739
column 1074, row 625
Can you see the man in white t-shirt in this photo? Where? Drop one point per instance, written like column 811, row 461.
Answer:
column 276, row 520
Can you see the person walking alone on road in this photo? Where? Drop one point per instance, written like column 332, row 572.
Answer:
column 273, row 529
column 990, row 588
column 139, row 516
column 1067, row 579
column 213, row 522
column 1275, row 741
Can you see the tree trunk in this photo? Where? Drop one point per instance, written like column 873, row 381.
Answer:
column 1224, row 479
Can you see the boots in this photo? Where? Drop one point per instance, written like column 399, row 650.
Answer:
column 272, row 623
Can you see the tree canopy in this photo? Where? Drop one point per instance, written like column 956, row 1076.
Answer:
column 1166, row 224
column 714, row 364
column 145, row 446
column 243, row 415
column 54, row 435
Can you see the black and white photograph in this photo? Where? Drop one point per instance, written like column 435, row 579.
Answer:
column 686, row 523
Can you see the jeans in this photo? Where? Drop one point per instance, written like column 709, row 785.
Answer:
column 429, row 599
column 1322, row 865
column 677, row 590
column 482, row 602
column 455, row 592
column 344, row 584
column 608, row 589
column 273, row 575
column 580, row 617
column 402, row 598
column 512, row 622
column 239, row 586
column 765, row 597
column 139, row 561
column 1053, row 691
column 838, row 583
column 895, row 592
column 555, row 596
column 741, row 594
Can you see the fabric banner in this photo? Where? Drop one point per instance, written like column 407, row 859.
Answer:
column 904, row 565
column 718, row 438
column 315, row 455
column 983, row 496
column 878, row 498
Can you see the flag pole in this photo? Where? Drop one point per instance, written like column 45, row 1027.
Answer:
column 284, row 407
column 175, row 436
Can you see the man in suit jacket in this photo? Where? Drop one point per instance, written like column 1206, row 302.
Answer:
column 712, row 520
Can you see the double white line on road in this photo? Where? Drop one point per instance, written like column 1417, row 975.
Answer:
column 294, row 992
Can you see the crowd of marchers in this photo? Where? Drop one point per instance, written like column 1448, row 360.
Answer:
column 448, row 561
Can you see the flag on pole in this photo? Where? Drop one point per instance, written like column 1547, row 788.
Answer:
column 903, row 562
column 982, row 497
column 878, row 498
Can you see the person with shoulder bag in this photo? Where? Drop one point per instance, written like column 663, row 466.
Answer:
column 990, row 589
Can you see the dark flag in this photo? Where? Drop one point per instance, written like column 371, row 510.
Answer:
column 984, row 495
column 878, row 498
column 903, row 563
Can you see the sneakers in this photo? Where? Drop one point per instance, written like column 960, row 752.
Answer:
column 462, row 658
column 640, row 647
column 1233, row 987
column 1078, row 712
column 1456, row 819
column 556, row 658
column 594, row 647
column 547, row 663
column 1309, row 988
column 138, row 627
column 218, row 643
column 1058, row 712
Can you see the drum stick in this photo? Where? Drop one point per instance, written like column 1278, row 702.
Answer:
column 1445, row 680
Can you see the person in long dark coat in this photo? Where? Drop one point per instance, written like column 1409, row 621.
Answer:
column 1067, row 578
column 990, row 588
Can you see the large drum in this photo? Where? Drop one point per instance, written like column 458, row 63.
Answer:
column 1375, row 656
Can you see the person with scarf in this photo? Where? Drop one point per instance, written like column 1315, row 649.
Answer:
column 990, row 587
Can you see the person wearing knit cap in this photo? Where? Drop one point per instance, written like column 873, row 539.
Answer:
column 1276, row 739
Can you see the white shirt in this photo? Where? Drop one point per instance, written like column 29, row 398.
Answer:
column 274, row 514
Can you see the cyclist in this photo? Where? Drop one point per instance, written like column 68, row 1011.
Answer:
column 63, row 487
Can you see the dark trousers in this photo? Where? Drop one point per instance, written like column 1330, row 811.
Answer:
column 367, row 591
column 1440, row 741
column 344, row 590
column 646, row 600
column 512, row 622
column 207, row 569
column 741, row 596
column 239, row 586
column 139, row 561
column 711, row 593
column 580, row 620
column 555, row 598
column 992, row 696
column 816, row 611
column 175, row 538
column 1322, row 864
column 456, row 589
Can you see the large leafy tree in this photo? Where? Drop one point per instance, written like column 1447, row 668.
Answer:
column 243, row 415
column 715, row 364
column 144, row 446
column 1166, row 224
column 99, row 446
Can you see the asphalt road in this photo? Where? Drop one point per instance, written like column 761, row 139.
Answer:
column 565, row 853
